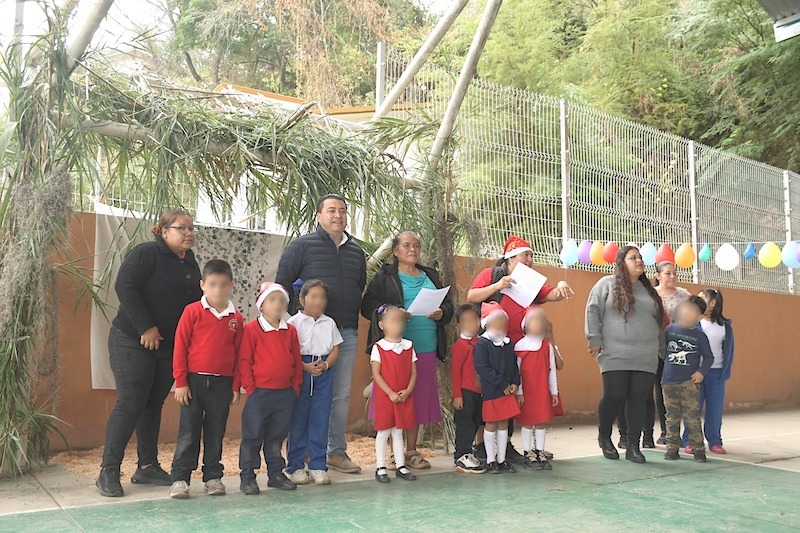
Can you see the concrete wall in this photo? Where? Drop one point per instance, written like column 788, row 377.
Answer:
column 766, row 370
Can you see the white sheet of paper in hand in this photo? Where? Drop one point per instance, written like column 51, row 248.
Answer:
column 527, row 286
column 428, row 301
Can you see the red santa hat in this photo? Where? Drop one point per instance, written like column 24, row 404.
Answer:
column 534, row 310
column 515, row 246
column 267, row 288
column 490, row 311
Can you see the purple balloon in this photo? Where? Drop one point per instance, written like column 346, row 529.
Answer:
column 583, row 252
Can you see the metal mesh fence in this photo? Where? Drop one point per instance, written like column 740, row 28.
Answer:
column 548, row 170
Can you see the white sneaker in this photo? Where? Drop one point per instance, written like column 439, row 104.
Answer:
column 179, row 490
column 469, row 464
column 299, row 477
column 320, row 477
column 215, row 487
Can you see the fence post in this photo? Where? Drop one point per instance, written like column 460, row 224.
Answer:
column 380, row 75
column 787, row 213
column 566, row 226
column 693, row 208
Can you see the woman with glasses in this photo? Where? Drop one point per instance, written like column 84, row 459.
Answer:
column 156, row 281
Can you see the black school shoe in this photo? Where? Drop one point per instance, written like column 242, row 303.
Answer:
column 700, row 456
column 404, row 473
column 634, row 455
column 249, row 487
column 672, row 455
column 281, row 482
column 505, row 466
column 493, row 468
column 513, row 456
column 108, row 483
column 382, row 475
column 623, row 442
column 151, row 475
column 647, row 441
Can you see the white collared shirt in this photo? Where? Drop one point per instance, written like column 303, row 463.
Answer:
column 230, row 310
column 345, row 238
column 317, row 336
column 531, row 344
column 487, row 335
column 466, row 337
column 266, row 326
column 389, row 346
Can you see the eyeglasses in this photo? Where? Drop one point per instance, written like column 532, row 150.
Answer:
column 185, row 230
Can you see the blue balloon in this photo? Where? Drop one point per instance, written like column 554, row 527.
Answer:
column 789, row 255
column 750, row 252
column 569, row 253
column 648, row 251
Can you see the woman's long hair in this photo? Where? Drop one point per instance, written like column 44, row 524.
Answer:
column 622, row 292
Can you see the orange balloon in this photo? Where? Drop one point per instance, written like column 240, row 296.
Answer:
column 665, row 254
column 596, row 254
column 685, row 256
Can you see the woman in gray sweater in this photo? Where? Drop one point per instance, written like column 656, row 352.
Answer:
column 624, row 325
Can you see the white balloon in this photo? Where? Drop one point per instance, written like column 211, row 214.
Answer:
column 726, row 258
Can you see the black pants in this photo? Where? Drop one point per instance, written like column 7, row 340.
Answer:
column 206, row 415
column 660, row 408
column 266, row 418
column 467, row 421
column 143, row 378
column 651, row 408
column 626, row 388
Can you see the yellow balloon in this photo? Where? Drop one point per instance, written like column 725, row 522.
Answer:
column 596, row 254
column 685, row 256
column 769, row 255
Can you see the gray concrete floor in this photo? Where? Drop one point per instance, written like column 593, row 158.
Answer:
column 770, row 439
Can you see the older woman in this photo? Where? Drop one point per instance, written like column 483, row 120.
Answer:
column 399, row 283
column 624, row 325
column 156, row 281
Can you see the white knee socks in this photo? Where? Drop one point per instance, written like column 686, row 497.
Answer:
column 540, row 435
column 491, row 445
column 398, row 447
column 380, row 447
column 502, row 445
column 527, row 437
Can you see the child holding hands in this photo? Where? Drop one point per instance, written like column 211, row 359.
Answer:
column 394, row 373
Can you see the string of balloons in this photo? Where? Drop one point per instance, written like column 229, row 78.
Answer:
column 726, row 257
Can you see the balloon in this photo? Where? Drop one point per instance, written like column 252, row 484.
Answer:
column 726, row 258
column 583, row 252
column 633, row 244
column 685, row 256
column 750, row 251
column 665, row 254
column 705, row 253
column 569, row 253
column 610, row 252
column 769, row 255
column 596, row 254
column 789, row 255
column 648, row 252
column 798, row 253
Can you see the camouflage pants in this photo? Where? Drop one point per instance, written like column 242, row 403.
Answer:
column 683, row 403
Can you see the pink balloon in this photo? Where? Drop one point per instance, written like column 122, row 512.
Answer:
column 583, row 252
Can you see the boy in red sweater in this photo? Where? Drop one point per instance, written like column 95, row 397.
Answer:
column 272, row 371
column 467, row 403
column 204, row 365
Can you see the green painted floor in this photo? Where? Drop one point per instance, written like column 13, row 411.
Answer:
column 591, row 494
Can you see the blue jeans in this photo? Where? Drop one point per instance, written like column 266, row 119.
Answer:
column 312, row 411
column 712, row 395
column 342, row 378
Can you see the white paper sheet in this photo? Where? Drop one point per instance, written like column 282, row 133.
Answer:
column 527, row 286
column 428, row 301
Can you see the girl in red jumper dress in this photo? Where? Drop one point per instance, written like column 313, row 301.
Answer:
column 538, row 392
column 394, row 372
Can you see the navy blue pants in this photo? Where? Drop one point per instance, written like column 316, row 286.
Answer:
column 312, row 412
column 712, row 397
column 206, row 415
column 266, row 417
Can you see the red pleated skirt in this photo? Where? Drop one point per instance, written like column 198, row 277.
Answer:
column 501, row 408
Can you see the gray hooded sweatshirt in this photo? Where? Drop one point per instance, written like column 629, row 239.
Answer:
column 632, row 343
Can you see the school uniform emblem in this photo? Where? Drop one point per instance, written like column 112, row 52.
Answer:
column 233, row 324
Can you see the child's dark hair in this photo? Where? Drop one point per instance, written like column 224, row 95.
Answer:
column 466, row 308
column 377, row 316
column 217, row 266
column 714, row 295
column 697, row 302
column 310, row 284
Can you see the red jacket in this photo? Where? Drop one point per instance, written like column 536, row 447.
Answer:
column 270, row 358
column 462, row 367
column 206, row 344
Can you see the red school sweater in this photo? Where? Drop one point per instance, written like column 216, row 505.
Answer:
column 270, row 358
column 205, row 344
column 462, row 367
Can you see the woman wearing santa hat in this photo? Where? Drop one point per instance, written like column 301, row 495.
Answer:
column 487, row 285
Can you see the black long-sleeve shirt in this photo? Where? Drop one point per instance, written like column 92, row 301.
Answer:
column 154, row 286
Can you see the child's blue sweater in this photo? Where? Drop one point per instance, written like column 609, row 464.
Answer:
column 688, row 351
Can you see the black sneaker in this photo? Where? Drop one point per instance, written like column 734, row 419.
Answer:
column 672, row 455
column 647, row 441
column 530, row 461
column 662, row 440
column 549, row 455
column 541, row 460
column 493, row 468
column 505, row 466
column 623, row 442
column 700, row 456
column 108, row 483
column 152, row 475
column 249, row 487
column 480, row 452
column 281, row 482
column 513, row 456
